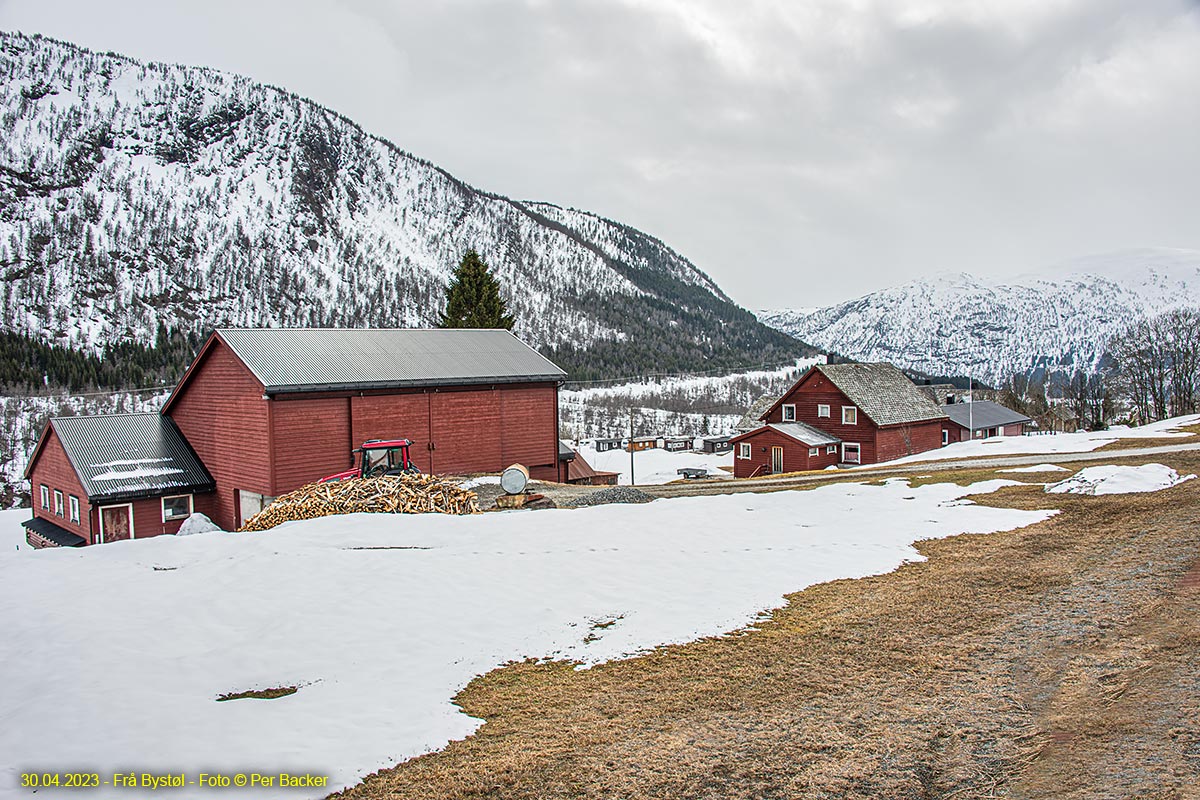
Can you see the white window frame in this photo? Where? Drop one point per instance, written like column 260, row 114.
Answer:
column 823, row 410
column 814, row 451
column 45, row 497
column 830, row 449
column 945, row 437
column 745, row 451
column 73, row 507
column 857, row 449
column 60, row 507
column 853, row 414
column 162, row 503
column 785, row 409
column 129, row 510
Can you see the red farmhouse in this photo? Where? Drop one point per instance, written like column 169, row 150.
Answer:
column 840, row 414
column 117, row 476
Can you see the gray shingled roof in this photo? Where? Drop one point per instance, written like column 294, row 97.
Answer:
column 806, row 434
column 882, row 392
column 121, row 456
column 752, row 419
column 983, row 414
column 317, row 359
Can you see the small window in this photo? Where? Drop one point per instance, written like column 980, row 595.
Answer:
column 831, row 449
column 789, row 413
column 823, row 410
column 744, row 450
column 58, row 502
column 178, row 507
column 945, row 437
column 814, row 451
column 849, row 415
column 45, row 497
column 73, row 503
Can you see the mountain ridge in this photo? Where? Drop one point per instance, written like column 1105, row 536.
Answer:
column 136, row 196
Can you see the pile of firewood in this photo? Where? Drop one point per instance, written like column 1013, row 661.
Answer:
column 405, row 494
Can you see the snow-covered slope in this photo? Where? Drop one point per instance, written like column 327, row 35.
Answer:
column 136, row 194
column 1058, row 319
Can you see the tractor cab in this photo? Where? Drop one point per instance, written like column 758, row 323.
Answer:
column 379, row 457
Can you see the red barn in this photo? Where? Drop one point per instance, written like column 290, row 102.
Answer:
column 269, row 410
column 111, row 477
column 870, row 412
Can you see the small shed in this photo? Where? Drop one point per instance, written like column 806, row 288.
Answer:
column 643, row 443
column 111, row 477
column 717, row 444
column 783, row 447
column 677, row 444
column 604, row 445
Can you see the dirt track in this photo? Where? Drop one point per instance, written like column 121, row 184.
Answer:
column 1058, row 661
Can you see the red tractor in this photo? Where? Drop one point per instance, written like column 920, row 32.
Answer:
column 379, row 457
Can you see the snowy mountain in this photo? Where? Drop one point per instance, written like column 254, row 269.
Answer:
column 1055, row 320
column 137, row 195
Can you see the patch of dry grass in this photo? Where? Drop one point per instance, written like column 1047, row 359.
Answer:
column 1057, row 661
column 259, row 694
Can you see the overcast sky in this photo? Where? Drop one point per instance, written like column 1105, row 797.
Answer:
column 799, row 152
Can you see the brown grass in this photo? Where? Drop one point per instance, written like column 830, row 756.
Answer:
column 259, row 694
column 1055, row 661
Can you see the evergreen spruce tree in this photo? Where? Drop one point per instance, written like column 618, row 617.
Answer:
column 473, row 298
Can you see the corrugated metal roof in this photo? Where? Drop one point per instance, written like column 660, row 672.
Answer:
column 53, row 533
column 805, row 434
column 121, row 456
column 983, row 414
column 325, row 359
column 884, row 393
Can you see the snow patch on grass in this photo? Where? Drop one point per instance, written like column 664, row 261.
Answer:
column 1111, row 479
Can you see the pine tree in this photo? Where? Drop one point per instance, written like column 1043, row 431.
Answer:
column 473, row 297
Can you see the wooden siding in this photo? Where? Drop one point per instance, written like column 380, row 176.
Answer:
column 468, row 431
column 393, row 416
column 795, row 455
column 54, row 470
column 529, row 424
column 903, row 440
column 147, row 515
column 815, row 389
column 222, row 413
column 310, row 439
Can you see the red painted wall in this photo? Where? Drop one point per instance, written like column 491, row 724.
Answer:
column 815, row 389
column 223, row 415
column 310, row 439
column 795, row 455
column 902, row 440
column 468, row 431
column 54, row 469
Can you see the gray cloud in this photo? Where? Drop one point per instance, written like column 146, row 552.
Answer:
column 799, row 152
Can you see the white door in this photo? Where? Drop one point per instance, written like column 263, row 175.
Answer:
column 776, row 460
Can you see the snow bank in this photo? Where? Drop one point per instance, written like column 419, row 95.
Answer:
column 12, row 535
column 1081, row 442
column 380, row 620
column 482, row 480
column 1112, row 479
column 198, row 523
column 656, row 466
column 1037, row 468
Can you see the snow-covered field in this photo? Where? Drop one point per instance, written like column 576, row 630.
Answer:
column 1081, row 442
column 115, row 655
column 656, row 466
column 12, row 535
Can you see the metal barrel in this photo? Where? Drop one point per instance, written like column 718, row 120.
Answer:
column 514, row 479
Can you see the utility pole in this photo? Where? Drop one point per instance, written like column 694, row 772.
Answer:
column 631, row 478
column 971, row 406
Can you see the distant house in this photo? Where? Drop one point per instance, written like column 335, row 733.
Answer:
column 643, row 443
column 604, row 445
column 981, row 419
column 677, row 444
column 117, row 476
column 869, row 412
column 717, row 444
column 1062, row 419
column 939, row 393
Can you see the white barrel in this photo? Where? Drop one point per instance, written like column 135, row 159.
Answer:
column 514, row 479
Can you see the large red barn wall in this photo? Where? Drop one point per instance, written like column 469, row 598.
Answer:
column 53, row 469
column 795, row 455
column 222, row 413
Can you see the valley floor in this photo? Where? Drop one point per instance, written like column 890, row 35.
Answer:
column 1058, row 660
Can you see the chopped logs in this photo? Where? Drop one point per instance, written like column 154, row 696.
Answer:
column 405, row 494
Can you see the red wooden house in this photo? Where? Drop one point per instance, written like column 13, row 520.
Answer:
column 269, row 410
column 981, row 419
column 111, row 477
column 867, row 413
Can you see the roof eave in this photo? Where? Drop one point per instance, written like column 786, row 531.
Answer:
column 365, row 386
column 159, row 491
